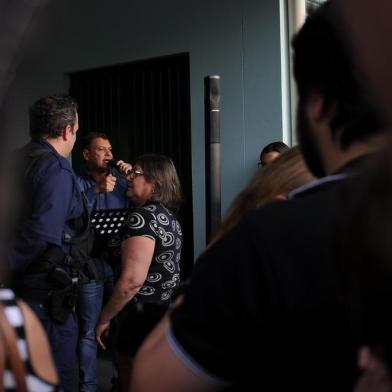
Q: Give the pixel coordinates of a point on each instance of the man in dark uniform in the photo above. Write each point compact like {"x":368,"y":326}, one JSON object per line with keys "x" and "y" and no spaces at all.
{"x":53,"y":215}
{"x":265,"y":308}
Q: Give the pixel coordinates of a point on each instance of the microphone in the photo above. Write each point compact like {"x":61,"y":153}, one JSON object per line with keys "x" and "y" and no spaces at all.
{"x":113,"y":163}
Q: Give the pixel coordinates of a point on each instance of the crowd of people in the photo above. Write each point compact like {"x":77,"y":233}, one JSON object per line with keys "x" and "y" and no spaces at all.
{"x":54,"y":255}
{"x":291,"y":293}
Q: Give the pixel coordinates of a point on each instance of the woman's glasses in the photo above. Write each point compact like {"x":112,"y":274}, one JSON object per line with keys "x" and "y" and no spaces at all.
{"x":135,"y":173}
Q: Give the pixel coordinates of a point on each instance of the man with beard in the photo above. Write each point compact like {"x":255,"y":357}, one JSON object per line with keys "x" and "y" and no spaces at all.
{"x":265,"y":308}
{"x":105,"y":188}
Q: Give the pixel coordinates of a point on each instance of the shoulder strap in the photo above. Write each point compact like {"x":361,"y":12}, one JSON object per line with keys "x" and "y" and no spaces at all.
{"x":9,"y":344}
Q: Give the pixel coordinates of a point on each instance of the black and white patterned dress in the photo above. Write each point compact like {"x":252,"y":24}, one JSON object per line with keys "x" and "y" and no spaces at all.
{"x":158,"y":223}
{"x":15,"y":318}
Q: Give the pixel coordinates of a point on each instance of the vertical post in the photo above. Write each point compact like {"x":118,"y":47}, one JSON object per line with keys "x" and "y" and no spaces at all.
{"x":213,"y":154}
{"x":296,"y":18}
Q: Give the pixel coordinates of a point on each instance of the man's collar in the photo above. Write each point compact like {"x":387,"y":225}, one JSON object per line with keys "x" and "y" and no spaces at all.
{"x":45,"y":143}
{"x":347,"y":170}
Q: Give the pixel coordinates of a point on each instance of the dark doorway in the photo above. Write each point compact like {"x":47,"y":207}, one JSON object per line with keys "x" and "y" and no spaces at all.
{"x":144,"y":107}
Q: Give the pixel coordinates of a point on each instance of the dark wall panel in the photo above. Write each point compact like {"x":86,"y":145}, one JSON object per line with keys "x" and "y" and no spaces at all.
{"x":143,"y":107}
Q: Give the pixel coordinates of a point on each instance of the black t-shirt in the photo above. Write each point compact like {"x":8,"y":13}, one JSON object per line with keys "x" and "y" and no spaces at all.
{"x":156,"y":222}
{"x":264,"y":306}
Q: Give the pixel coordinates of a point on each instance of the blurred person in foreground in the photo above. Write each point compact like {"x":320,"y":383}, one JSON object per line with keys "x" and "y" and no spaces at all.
{"x":369,"y":286}
{"x":27,"y":362}
{"x":34,"y":369}
{"x":364,"y":254}
{"x":269,"y":289}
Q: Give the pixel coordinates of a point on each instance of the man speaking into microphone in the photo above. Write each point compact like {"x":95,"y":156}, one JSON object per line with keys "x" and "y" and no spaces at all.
{"x":102,"y":180}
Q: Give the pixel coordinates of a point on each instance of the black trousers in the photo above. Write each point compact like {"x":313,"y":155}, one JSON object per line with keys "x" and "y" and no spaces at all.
{"x":136,"y":321}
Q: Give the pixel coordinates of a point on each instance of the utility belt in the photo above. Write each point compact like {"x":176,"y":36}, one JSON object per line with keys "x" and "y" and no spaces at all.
{"x":65,"y":268}
{"x":59,"y":302}
{"x":65,"y":275}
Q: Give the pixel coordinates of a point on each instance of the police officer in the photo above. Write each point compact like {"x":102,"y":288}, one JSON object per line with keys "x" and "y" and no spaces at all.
{"x":45,"y":273}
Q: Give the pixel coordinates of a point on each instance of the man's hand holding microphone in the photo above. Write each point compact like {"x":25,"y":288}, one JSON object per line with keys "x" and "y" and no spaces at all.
{"x":108,"y":183}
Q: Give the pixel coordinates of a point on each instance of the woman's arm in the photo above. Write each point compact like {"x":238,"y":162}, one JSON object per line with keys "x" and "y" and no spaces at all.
{"x":136,"y":257}
{"x":158,"y":367}
{"x":38,"y":346}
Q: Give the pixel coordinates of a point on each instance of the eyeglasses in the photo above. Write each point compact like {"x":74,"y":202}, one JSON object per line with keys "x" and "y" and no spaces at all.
{"x":135,"y":173}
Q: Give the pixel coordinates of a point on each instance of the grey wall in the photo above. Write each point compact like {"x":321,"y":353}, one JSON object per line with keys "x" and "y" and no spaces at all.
{"x":238,"y":40}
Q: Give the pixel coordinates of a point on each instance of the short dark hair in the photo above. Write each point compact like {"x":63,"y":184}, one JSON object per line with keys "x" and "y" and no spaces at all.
{"x":323,"y":63}
{"x":278,"y":146}
{"x":50,"y":115}
{"x":160,"y":170}
{"x":87,"y":139}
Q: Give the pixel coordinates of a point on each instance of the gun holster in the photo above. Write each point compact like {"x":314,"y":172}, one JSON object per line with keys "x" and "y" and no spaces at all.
{"x":61,"y":302}
{"x":62,"y":299}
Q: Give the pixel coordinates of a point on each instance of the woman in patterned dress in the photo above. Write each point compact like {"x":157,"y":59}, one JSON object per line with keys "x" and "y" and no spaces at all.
{"x":150,"y":242}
